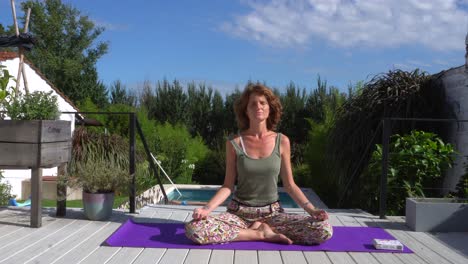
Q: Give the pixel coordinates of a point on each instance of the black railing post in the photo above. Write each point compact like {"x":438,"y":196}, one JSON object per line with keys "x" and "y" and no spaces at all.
{"x":151,"y":161}
{"x":386,"y":131}
{"x":132,"y":126}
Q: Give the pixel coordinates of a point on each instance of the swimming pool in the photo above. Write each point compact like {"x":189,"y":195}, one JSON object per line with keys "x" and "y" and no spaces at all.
{"x":203,"y":195}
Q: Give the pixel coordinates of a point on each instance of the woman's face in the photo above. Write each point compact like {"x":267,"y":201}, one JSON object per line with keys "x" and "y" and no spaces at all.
{"x":258,"y":108}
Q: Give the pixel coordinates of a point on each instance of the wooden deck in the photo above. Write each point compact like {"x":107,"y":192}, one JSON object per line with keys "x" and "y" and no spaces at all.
{"x":75,"y":240}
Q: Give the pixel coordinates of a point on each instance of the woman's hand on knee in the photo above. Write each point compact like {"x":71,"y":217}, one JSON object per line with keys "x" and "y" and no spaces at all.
{"x":319,"y":214}
{"x":200,"y":213}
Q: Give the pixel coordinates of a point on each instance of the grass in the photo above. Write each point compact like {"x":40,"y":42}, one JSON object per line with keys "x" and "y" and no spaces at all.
{"x":118,"y":200}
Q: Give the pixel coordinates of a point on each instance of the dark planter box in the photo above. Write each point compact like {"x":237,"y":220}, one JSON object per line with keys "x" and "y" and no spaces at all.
{"x":35,"y":143}
{"x":437,"y":214}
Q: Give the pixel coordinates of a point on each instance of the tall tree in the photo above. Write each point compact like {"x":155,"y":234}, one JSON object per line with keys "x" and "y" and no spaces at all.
{"x":199,"y":109}
{"x":120,"y":95}
{"x":66,"y":50}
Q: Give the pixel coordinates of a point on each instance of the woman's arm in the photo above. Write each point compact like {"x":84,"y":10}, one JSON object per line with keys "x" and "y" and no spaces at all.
{"x":226,"y":189}
{"x":290,"y":186}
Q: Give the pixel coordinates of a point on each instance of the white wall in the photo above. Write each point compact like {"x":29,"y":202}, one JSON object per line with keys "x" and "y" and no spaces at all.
{"x":35,"y":83}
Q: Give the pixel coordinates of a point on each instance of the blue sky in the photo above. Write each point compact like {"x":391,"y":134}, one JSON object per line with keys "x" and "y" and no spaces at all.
{"x":226,"y":43}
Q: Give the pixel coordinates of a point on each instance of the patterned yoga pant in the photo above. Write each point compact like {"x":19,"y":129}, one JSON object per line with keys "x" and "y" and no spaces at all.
{"x":225,"y":227}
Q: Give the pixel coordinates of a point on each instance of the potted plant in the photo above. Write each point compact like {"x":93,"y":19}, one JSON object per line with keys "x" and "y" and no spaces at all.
{"x":449,"y":214}
{"x":32,"y":137}
{"x":100,"y":166}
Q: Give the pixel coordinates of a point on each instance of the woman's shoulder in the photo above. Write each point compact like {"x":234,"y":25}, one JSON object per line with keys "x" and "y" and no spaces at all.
{"x":234,"y":137}
{"x":284,"y":139}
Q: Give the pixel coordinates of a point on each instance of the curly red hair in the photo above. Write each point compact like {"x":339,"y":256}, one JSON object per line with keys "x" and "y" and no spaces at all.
{"x":240,"y":106}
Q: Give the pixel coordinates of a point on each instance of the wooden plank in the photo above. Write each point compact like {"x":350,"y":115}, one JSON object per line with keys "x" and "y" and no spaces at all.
{"x":36,"y":196}
{"x":70,"y":242}
{"x":316,"y":257}
{"x":348,"y":220}
{"x":340,"y":257}
{"x":222,"y":256}
{"x":8,"y":233}
{"x":100,"y":255}
{"x":198,"y":256}
{"x":24,"y":155}
{"x":21,"y":216}
{"x":37,"y":247}
{"x":269,"y":257}
{"x":174,"y":256}
{"x":293,"y":257}
{"x":388,"y":258}
{"x":150,"y":255}
{"x":27,"y":131}
{"x":55,"y":153}
{"x":55,"y":130}
{"x":19,"y":131}
{"x":456,"y":241}
{"x":333,"y":220}
{"x":441,"y":249}
{"x":363,"y":257}
{"x":125,"y":255}
{"x":87,"y":246}
{"x":245,"y":257}
{"x":426,"y":253}
{"x":145,"y":212}
{"x":410,"y":258}
{"x":178,"y":217}
{"x":29,"y":235}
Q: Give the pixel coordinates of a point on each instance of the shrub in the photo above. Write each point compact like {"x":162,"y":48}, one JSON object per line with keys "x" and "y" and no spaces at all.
{"x":5,"y":191}
{"x":416,"y":162}
{"x":37,"y":105}
{"x":178,"y":152}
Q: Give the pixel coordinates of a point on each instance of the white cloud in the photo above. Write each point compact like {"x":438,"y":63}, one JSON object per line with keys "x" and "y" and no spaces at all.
{"x":418,"y":63}
{"x":112,"y":26}
{"x":436,"y":24}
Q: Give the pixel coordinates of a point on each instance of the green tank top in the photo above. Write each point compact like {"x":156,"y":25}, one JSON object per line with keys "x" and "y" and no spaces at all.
{"x":257,"y":179}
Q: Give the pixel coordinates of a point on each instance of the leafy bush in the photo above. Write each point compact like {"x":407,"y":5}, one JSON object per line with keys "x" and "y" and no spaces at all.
{"x":211,"y":170}
{"x":178,"y":152}
{"x":416,"y":162}
{"x":5,"y":91}
{"x":394,"y":94}
{"x":118,"y":124}
{"x":5,"y":191}
{"x":37,"y":105}
{"x":5,"y":78}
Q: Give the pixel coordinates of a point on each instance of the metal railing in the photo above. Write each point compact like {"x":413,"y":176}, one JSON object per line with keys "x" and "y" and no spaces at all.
{"x":134,"y":128}
{"x":386,"y":134}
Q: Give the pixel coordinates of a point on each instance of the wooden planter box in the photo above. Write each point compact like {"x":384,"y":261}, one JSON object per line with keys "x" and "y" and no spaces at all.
{"x":437,"y":214}
{"x":35,"y":143}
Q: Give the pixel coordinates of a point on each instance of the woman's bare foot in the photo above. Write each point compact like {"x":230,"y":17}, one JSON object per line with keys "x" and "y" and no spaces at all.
{"x":255,"y":225}
{"x":271,"y":236}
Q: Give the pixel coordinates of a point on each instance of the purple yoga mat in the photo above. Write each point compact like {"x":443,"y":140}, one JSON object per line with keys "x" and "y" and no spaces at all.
{"x":165,"y":235}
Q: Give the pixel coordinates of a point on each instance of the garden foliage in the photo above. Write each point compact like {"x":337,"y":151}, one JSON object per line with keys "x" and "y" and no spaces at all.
{"x":416,"y":165}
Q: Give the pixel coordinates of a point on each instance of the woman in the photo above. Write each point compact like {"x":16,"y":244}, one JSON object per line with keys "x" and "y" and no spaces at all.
{"x":255,"y":158}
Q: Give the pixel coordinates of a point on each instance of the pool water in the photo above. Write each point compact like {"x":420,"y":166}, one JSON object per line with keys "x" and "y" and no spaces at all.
{"x":205,"y":195}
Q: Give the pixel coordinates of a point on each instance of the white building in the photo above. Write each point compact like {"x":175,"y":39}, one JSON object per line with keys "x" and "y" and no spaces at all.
{"x":36,"y":82}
